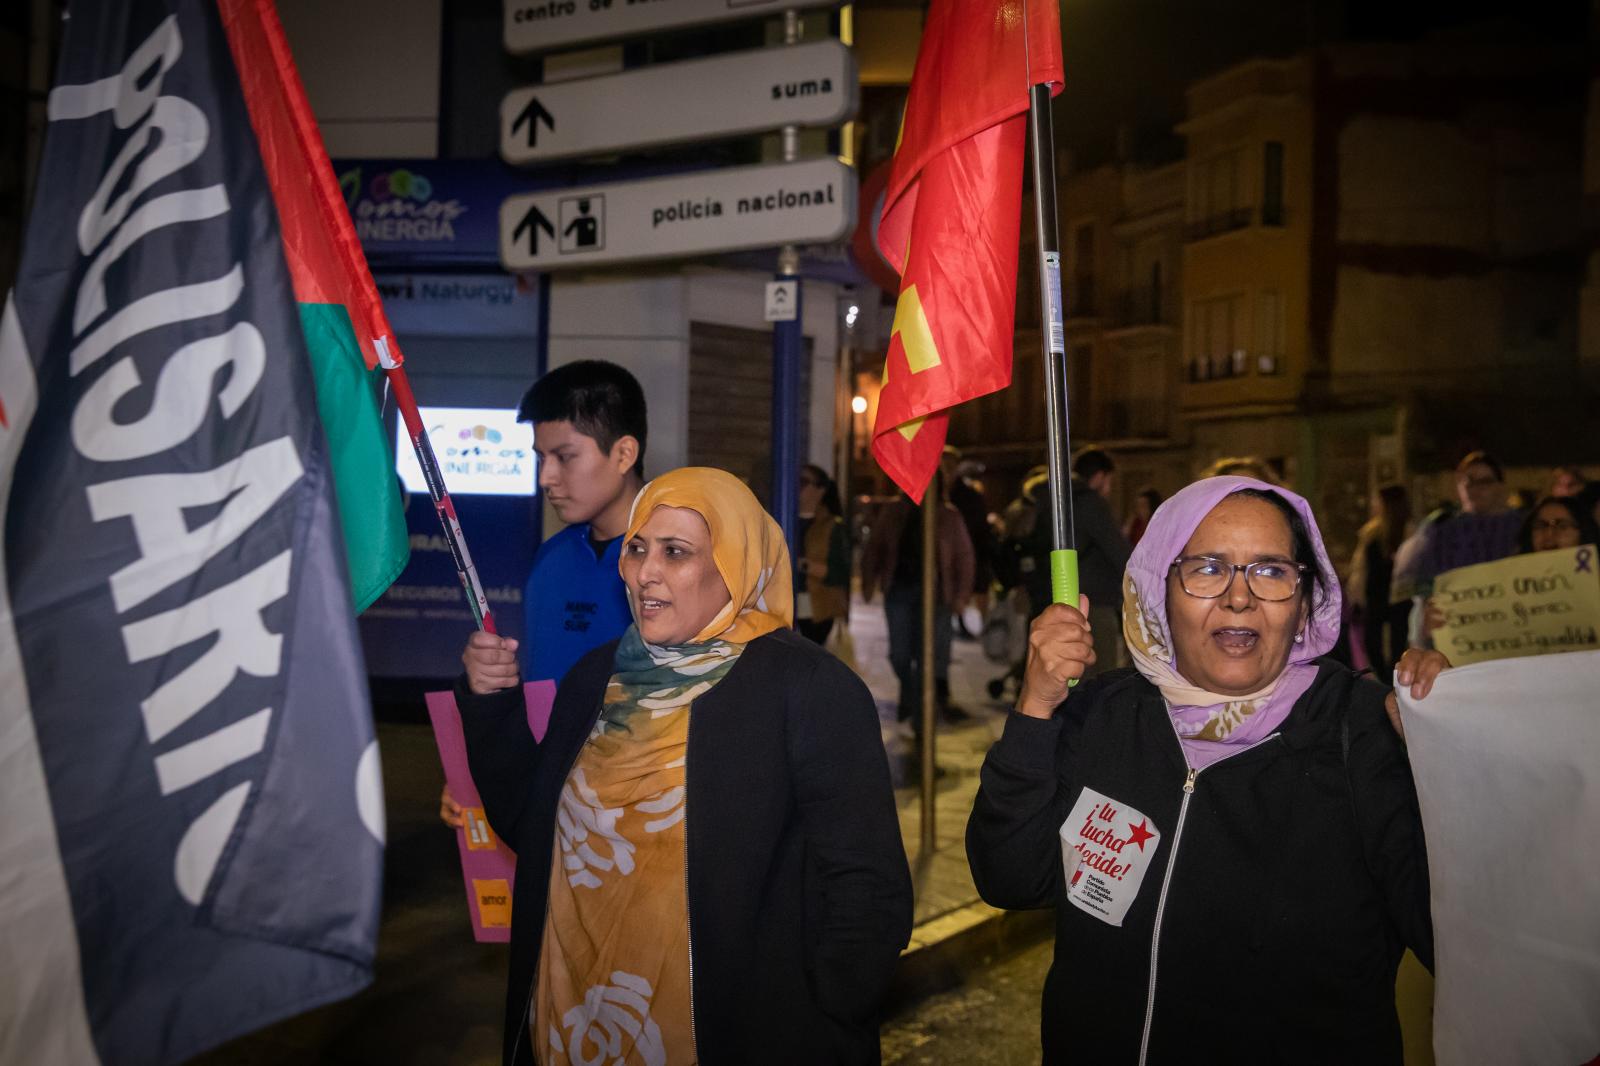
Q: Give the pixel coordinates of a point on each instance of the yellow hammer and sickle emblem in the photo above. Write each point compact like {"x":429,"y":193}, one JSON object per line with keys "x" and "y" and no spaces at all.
{"x":911,"y":323}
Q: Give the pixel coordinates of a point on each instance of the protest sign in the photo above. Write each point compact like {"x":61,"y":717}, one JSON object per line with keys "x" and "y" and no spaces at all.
{"x":1526,"y":605}
{"x":1503,"y":755}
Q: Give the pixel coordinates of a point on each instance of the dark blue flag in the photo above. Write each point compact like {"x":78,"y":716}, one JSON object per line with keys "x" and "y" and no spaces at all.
{"x":191,"y":844}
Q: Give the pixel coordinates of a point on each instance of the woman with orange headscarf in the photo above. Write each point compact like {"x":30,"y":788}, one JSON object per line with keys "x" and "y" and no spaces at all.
{"x":709,"y":864}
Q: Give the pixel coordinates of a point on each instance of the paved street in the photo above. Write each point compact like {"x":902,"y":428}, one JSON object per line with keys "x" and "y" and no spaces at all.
{"x":992,"y":1019}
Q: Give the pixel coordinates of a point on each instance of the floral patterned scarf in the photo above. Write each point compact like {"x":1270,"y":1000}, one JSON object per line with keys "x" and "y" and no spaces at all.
{"x":613,"y":982}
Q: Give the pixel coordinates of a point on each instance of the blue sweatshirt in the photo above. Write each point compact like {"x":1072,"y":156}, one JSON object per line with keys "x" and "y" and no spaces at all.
{"x":573,"y":602}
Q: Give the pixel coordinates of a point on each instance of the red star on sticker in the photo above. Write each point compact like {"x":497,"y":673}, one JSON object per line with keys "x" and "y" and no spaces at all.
{"x":1138,"y":834}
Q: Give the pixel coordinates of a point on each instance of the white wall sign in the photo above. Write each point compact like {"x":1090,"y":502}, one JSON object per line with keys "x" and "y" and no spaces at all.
{"x":482,"y":451}
{"x":783,"y":301}
{"x":810,"y":84}
{"x":541,"y":25}
{"x":689,"y":214}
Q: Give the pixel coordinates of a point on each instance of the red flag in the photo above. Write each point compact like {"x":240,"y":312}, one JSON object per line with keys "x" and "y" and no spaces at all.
{"x":340,"y":313}
{"x":951,"y":217}
{"x":324,"y":255}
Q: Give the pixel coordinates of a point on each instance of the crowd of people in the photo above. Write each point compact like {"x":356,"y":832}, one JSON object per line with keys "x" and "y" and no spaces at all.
{"x":1210,"y":796}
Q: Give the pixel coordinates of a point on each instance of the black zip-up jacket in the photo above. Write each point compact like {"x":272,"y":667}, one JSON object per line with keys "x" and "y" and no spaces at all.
{"x":799,"y":892}
{"x":1286,"y":882}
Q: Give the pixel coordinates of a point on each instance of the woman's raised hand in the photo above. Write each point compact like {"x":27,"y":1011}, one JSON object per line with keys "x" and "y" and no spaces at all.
{"x":1419,"y":668}
{"x":491,"y":663}
{"x":1060,"y":650}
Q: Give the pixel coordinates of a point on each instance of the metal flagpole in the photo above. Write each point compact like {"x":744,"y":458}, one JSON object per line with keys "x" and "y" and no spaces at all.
{"x":932,"y":500}
{"x":1063,"y":542}
{"x":406,"y":401}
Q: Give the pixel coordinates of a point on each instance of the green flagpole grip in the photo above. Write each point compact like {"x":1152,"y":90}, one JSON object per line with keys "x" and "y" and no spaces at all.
{"x":1064,"y":577}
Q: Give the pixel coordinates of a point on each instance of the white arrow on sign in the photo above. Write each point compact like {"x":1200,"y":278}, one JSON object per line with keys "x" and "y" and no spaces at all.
{"x":810,"y":84}
{"x":690,"y":214}
{"x":541,"y":25}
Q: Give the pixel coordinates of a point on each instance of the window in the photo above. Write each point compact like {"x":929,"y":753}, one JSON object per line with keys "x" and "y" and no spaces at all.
{"x":1222,"y":184}
{"x":1269,"y":333}
{"x":1144,"y":387}
{"x":1080,"y":361}
{"x":1218,"y":188}
{"x":1216,"y":347}
{"x":1083,"y":270}
{"x":1272,"y":184}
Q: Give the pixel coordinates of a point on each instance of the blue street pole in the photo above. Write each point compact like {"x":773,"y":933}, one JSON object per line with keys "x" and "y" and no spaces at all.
{"x":787,"y":350}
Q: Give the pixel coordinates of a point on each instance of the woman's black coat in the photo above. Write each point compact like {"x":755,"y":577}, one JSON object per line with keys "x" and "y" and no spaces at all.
{"x":1270,"y":920}
{"x":799,"y":892}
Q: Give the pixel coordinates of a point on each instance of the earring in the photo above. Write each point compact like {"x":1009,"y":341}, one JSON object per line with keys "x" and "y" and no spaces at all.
{"x":1299,"y":638}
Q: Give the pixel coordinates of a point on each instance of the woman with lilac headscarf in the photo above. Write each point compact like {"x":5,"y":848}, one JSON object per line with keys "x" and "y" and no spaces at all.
{"x":1227,"y":831}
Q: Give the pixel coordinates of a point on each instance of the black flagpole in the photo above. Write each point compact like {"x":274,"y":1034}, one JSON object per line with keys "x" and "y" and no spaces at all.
{"x":1063,"y":544}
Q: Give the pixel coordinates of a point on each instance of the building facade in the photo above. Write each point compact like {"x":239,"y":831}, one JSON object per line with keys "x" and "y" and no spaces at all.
{"x":1381,"y":270}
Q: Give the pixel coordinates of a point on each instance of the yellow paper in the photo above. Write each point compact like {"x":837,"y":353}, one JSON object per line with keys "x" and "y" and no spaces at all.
{"x":1525,"y":605}
{"x":494,"y":903}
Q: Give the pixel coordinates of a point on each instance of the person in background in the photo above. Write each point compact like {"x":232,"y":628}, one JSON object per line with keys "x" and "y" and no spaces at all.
{"x":1242,"y":466}
{"x":1567,"y":481}
{"x":966,"y":496}
{"x":1022,"y":562}
{"x":892,"y":561}
{"x":1025,"y":549}
{"x":1102,"y":553}
{"x":590,"y":426}
{"x":1382,"y":624}
{"x":1486,"y":529}
{"x":709,"y":863}
{"x":1144,"y":505}
{"x":1557,"y":522}
{"x":1588,"y":500}
{"x":822,"y":572}
{"x":1404,"y":584}
{"x":1234,"y":817}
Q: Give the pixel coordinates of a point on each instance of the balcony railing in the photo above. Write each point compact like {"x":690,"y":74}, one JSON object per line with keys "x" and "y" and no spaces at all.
{"x":1211,"y":225}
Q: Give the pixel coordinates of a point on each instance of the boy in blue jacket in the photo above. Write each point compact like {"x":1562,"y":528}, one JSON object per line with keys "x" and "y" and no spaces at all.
{"x":589,"y":428}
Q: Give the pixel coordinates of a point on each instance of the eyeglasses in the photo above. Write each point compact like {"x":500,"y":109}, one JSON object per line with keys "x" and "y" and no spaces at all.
{"x":1555,"y":525}
{"x":1207,"y":578}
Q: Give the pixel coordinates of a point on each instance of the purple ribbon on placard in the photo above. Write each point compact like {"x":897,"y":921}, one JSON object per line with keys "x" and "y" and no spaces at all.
{"x":1583,"y":556}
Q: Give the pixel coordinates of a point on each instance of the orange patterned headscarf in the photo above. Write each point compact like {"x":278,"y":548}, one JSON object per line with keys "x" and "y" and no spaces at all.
{"x":746,"y":545}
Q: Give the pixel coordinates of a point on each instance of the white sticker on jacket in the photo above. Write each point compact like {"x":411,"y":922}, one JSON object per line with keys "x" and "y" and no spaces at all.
{"x":1106,"y":847}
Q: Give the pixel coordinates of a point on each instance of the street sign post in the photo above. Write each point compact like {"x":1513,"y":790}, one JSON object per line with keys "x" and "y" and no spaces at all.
{"x":699,"y":213}
{"x":543,"y":25}
{"x":783,"y":301}
{"x":811,"y":84}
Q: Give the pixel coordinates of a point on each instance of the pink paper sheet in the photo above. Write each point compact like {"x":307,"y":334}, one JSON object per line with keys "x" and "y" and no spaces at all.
{"x":488,"y":866}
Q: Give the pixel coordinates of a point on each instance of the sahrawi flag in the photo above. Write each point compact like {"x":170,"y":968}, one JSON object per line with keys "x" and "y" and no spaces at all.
{"x":950,"y":220}
{"x":192,"y":838}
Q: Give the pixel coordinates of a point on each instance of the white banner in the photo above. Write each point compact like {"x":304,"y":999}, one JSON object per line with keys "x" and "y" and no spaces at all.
{"x":1506,"y":757}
